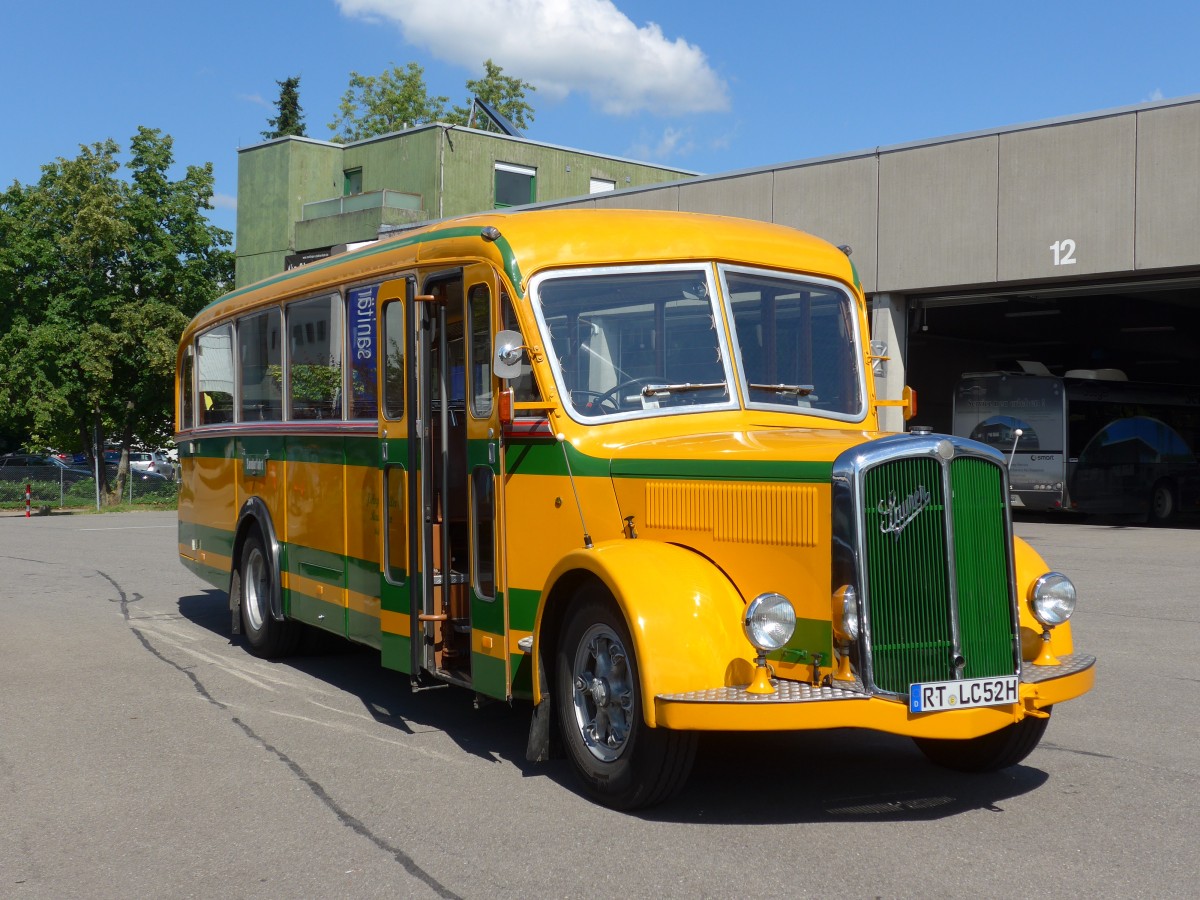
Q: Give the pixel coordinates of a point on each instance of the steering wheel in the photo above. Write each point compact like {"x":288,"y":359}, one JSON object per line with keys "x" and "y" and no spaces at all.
{"x":597,"y":401}
{"x":614,"y":396}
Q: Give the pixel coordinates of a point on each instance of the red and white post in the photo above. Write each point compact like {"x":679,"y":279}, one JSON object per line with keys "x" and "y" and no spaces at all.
{"x":28,"y":494}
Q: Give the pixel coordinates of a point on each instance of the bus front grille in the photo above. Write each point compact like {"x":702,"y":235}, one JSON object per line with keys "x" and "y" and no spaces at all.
{"x":934,"y":568}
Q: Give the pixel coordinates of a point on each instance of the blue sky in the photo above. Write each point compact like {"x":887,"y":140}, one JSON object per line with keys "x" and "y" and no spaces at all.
{"x":704,"y":85}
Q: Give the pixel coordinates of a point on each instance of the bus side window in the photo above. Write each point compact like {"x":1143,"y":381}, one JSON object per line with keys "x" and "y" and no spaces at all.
{"x":524,"y":385}
{"x":393,"y":360}
{"x":187,"y":399}
{"x":363,"y":350}
{"x":315,"y":358}
{"x":215,"y":364}
{"x":479,"y":308}
{"x":259,"y":367}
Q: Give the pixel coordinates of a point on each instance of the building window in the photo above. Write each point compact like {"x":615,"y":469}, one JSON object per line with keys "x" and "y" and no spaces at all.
{"x":351,"y":182}
{"x":600,"y":185}
{"x":515,"y":185}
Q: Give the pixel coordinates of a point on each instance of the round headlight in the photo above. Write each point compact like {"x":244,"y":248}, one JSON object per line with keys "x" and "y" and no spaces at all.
{"x":769,"y":622}
{"x":1052,"y":598}
{"x":845,"y":613}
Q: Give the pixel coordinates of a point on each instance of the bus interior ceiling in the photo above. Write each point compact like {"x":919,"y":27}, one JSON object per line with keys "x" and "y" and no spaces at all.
{"x":1150,"y":331}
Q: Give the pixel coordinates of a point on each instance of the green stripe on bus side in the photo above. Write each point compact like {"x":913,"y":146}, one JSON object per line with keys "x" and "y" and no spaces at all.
{"x":488,"y":676}
{"x":394,"y":652}
{"x":522,"y":608}
{"x":532,"y":458}
{"x":522,"y":671}
{"x":488,"y":616}
{"x":218,"y":578}
{"x":362,"y":628}
{"x":724,"y":470}
{"x":335,"y":449}
{"x":314,"y":611}
{"x":547,"y":459}
{"x":215,"y":540}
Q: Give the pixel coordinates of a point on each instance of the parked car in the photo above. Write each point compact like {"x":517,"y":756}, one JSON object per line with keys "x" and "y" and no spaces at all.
{"x":151,"y":461}
{"x":36,"y":467}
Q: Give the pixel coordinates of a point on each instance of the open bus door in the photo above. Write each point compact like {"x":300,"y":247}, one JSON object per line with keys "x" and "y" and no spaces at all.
{"x":439,"y":450}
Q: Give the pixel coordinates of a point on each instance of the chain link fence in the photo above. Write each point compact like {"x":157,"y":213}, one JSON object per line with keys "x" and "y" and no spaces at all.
{"x":61,"y":488}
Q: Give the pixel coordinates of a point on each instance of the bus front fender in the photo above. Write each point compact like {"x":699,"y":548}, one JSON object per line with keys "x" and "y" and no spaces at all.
{"x":683,"y":614}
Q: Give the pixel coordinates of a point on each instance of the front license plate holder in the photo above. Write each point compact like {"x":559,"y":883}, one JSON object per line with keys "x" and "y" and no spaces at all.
{"x":938,"y":696}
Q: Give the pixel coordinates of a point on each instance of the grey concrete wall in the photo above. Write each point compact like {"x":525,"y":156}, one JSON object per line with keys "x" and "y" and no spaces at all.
{"x":747,"y":196}
{"x":1071,"y":182}
{"x":837,"y":201}
{"x":937,"y":214}
{"x":1103,"y":194}
{"x":1168,"y":187}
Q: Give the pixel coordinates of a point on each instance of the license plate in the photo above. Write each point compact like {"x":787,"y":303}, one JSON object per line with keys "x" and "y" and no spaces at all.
{"x":934,"y":696}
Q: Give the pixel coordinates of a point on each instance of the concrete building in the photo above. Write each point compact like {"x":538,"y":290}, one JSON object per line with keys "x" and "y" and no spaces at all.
{"x":1074,"y":243}
{"x":299,"y":197}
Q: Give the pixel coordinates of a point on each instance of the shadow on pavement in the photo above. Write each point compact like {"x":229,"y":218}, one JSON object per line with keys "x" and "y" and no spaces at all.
{"x":739,"y":778}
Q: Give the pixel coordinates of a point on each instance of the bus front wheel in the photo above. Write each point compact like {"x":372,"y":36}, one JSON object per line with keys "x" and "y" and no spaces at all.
{"x":622,"y":762}
{"x":988,"y":753}
{"x":253,"y":583}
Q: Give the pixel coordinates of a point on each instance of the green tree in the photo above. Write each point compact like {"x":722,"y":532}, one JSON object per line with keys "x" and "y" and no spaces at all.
{"x":503,"y":93}
{"x":380,"y":104}
{"x":289,"y":118}
{"x":100,"y":276}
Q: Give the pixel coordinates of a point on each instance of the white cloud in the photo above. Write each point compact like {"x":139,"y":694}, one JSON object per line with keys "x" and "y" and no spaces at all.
{"x":562,"y":46}
{"x":673,"y":143}
{"x":223,"y":201}
{"x":256,"y":99}
{"x":1155,"y":96}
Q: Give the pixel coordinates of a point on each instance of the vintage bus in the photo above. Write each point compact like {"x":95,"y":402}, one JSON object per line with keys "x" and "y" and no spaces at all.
{"x":626,"y":467}
{"x":1090,"y":441}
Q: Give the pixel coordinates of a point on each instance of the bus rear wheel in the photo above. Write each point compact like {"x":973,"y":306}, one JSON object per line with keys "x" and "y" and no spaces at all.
{"x":990,"y":752}
{"x":1162,"y":503}
{"x":252,"y":586}
{"x":621,"y":762}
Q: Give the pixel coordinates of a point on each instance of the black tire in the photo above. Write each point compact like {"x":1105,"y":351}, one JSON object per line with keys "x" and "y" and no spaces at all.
{"x":1162,"y":503}
{"x":252,"y":585}
{"x":622,"y":763}
{"x":988,"y":753}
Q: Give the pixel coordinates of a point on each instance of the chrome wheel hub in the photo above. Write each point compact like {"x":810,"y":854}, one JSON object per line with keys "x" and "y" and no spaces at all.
{"x":602,"y":694}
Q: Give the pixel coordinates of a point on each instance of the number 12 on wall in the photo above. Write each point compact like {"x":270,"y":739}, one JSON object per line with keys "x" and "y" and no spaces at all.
{"x":1064,"y":252}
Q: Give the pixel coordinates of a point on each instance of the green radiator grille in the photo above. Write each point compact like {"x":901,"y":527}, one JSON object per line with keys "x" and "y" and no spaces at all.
{"x":981,"y":568}
{"x":913,"y":596}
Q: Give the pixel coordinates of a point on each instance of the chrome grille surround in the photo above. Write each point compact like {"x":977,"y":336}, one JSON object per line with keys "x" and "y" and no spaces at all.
{"x":940,"y":644}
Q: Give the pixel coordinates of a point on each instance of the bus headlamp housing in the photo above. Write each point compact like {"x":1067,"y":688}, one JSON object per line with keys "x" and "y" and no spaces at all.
{"x":1052,"y":599}
{"x":769,"y":622}
{"x":845,"y":613}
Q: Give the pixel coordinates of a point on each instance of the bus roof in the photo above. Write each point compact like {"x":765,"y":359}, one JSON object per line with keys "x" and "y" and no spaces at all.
{"x":531,"y":240}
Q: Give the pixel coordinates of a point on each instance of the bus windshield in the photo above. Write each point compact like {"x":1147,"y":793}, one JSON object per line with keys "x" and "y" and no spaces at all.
{"x":632,"y":340}
{"x":645,"y":341}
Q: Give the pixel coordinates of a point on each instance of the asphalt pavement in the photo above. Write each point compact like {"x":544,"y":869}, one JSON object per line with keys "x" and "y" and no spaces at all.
{"x":145,"y":753}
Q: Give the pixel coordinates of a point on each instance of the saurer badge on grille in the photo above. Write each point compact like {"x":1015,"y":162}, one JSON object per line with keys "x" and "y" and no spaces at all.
{"x":896,"y":516}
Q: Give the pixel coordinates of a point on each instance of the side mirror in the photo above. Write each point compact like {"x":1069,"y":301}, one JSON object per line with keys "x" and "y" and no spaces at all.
{"x":510,"y":353}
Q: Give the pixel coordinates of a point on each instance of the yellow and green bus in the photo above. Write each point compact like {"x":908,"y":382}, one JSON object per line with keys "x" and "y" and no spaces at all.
{"x":625,"y":466}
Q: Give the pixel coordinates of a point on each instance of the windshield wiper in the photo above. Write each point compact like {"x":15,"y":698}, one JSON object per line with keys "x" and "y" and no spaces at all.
{"x":799,"y":390}
{"x":655,"y":390}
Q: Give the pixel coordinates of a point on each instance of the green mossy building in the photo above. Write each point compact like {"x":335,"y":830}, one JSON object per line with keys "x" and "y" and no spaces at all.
{"x":300,"y":198}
